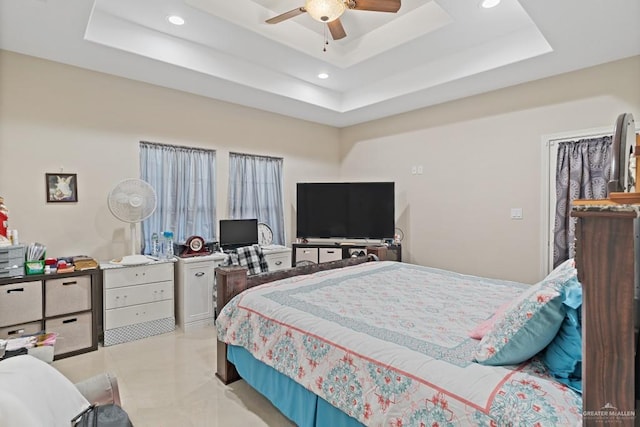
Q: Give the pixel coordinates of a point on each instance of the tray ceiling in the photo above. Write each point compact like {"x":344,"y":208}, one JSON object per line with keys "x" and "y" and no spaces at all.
{"x":428,"y":53}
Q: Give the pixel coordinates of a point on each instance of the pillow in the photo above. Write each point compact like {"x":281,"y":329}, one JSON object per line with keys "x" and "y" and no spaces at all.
{"x":529,"y":323}
{"x":562,"y":273}
{"x":485,"y":326}
{"x":563,"y":356}
{"x":252,"y":258}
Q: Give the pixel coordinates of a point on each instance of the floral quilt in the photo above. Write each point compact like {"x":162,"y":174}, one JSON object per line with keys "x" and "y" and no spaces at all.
{"x":387,"y":343}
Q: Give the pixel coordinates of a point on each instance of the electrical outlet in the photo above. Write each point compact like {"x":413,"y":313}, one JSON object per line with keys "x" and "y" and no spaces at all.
{"x":420,"y":170}
{"x":414,"y":170}
{"x":516,"y":213}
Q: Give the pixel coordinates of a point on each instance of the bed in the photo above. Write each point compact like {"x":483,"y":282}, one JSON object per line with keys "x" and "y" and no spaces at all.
{"x":387,"y":344}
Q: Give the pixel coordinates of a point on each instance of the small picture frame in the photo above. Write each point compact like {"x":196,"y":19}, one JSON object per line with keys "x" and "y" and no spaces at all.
{"x":62,"y":187}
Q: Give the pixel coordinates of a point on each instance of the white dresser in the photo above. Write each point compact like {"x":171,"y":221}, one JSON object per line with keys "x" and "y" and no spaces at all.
{"x":138,"y":301}
{"x":196,"y":290}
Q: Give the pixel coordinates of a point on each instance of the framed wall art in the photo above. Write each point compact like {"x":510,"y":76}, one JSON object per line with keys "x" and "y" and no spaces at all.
{"x":62,"y":187}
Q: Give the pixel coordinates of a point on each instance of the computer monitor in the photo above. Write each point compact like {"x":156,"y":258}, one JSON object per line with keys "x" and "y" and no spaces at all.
{"x":235,"y":233}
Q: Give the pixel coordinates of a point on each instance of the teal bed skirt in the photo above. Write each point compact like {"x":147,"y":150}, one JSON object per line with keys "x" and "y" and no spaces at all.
{"x":301,"y":406}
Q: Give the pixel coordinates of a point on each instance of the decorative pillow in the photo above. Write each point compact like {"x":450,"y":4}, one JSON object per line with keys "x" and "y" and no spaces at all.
{"x":563,"y":357}
{"x":485,"y":326}
{"x":562,"y":273}
{"x":529,"y":323}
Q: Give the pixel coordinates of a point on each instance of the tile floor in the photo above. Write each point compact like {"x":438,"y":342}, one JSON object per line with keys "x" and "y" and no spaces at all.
{"x":168,"y":380}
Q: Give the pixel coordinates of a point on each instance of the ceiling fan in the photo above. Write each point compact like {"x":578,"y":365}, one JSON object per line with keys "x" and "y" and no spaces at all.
{"x":329,"y":12}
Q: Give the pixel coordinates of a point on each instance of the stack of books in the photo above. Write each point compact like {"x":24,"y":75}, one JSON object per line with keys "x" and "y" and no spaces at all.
{"x":83,"y":262}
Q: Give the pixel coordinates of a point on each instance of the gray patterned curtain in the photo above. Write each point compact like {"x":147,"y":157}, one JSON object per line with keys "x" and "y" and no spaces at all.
{"x":582,"y":172}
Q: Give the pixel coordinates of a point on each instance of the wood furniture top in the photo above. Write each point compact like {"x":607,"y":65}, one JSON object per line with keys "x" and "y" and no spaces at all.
{"x":35,"y":277}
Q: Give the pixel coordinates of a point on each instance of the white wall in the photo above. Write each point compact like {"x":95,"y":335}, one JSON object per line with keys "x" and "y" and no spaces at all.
{"x":482,"y":156}
{"x":57,"y":118}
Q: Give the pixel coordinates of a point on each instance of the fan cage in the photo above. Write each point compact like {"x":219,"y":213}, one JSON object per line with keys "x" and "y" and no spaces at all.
{"x":132,"y":200}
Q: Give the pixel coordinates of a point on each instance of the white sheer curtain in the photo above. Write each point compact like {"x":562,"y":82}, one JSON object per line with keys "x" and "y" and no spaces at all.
{"x":255,"y":191}
{"x":184,"y":180}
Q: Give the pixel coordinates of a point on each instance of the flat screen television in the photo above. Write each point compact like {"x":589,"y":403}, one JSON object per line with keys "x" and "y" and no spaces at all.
{"x":350,"y":210}
{"x":235,"y":233}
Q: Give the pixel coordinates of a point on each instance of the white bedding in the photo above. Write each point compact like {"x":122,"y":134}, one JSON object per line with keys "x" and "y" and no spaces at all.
{"x":388,"y":344}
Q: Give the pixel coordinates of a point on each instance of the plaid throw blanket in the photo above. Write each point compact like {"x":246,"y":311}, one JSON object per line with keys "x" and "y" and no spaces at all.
{"x":250,"y":257}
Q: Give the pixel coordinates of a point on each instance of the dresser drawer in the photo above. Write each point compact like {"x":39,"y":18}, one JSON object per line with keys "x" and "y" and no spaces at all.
{"x":125,"y":276}
{"x":307,"y":254}
{"x":139,"y":294}
{"x":330,"y":254}
{"x":16,"y":331}
{"x":74,"y":332}
{"x":20,"y":303}
{"x":278,"y":261}
{"x":67,"y":295}
{"x":118,"y":317}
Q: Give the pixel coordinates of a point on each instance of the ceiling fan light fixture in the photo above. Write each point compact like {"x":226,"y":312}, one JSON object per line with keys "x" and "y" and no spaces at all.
{"x":325,"y":10}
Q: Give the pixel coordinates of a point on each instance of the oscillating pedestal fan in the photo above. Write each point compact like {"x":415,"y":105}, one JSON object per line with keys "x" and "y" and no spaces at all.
{"x":132,"y":201}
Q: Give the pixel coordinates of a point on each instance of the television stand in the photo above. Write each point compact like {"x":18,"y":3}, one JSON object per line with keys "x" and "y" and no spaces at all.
{"x":327,"y":252}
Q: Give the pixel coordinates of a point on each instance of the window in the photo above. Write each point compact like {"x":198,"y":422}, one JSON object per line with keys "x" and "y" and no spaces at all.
{"x":184,"y":180}
{"x":255,"y":191}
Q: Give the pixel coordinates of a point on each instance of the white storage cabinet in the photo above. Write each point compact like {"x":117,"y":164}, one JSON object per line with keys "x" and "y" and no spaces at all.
{"x":196,"y":290}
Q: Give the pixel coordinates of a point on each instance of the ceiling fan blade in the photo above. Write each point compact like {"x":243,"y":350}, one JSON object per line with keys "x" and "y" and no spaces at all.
{"x":286,"y":15}
{"x":375,"y":5}
{"x":336,"y":29}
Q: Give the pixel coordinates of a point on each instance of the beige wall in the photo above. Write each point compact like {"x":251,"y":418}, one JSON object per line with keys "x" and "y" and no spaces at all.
{"x":56,"y":118}
{"x":482,"y":156}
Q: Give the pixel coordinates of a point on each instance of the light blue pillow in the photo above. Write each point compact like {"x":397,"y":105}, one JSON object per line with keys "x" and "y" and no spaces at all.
{"x":563,"y":356}
{"x":530,"y":322}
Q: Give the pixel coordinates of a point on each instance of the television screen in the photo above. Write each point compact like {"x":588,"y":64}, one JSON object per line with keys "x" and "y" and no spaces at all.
{"x":235,"y":233}
{"x":352,"y":210}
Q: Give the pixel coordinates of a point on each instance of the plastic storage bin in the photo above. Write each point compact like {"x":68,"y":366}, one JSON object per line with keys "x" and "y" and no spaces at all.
{"x":34,"y":267}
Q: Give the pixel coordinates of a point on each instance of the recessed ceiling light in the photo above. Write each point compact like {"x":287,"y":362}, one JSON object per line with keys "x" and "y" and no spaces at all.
{"x":323,"y":76}
{"x":488,"y":4}
{"x":175,"y":20}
